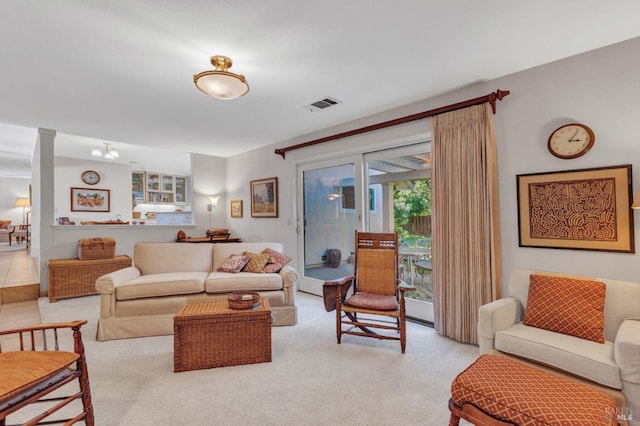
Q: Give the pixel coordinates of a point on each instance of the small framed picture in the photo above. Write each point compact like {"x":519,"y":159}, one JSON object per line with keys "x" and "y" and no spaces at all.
{"x":264,"y":197}
{"x":90,"y":200}
{"x":236,"y":208}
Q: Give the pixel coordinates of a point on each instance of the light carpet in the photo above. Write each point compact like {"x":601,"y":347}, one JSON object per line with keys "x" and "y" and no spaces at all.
{"x":311,"y":381}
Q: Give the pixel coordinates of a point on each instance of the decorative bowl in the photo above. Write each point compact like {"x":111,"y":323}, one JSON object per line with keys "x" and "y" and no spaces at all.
{"x":243,"y":300}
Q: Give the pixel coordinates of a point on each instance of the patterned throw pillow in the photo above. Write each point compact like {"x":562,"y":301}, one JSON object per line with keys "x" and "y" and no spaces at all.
{"x":256,"y":262}
{"x":567,"y":306}
{"x":277,"y":261}
{"x":4,"y":224}
{"x":234,"y":264}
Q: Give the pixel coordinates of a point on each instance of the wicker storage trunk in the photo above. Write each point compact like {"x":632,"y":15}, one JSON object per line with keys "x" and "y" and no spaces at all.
{"x":74,"y":277}
{"x":96,"y":248}
{"x":209,"y":334}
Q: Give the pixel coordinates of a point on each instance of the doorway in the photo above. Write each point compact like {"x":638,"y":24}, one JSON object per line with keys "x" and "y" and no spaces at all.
{"x":328,"y":218}
{"x":332,"y":204}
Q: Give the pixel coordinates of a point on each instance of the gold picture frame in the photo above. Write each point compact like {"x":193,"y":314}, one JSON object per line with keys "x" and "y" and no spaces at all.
{"x":264,"y":197}
{"x":586,"y":209}
{"x":236,"y":208}
{"x":90,"y":200}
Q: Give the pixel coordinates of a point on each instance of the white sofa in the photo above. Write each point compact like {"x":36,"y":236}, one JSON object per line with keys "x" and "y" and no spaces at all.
{"x":142,"y":300}
{"x":614,"y":365}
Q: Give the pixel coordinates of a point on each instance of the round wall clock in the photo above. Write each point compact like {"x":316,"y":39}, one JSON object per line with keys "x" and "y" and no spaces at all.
{"x":90,"y":177}
{"x":571,"y":141}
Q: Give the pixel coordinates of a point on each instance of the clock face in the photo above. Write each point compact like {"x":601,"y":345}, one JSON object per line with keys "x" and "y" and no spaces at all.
{"x":571,"y":141}
{"x":90,"y":177}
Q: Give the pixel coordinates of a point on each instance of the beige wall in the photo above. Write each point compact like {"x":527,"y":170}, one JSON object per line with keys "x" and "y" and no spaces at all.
{"x":598,"y":88}
{"x":12,"y":188}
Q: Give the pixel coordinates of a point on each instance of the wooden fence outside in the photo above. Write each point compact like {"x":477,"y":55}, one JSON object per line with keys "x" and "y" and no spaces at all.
{"x":419,"y":225}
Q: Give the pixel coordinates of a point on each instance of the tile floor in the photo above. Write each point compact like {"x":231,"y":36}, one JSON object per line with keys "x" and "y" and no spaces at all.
{"x":19,"y":290}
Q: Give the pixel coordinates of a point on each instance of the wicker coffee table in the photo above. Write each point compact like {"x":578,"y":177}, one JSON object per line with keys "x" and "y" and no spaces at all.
{"x":209,"y":334}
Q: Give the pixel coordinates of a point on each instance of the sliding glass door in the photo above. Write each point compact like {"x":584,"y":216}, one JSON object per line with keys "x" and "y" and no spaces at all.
{"x":327,"y":219}
{"x":399,"y":183}
{"x":382,"y":191}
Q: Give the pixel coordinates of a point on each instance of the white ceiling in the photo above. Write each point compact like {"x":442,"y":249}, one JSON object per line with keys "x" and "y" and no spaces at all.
{"x":122,"y":70}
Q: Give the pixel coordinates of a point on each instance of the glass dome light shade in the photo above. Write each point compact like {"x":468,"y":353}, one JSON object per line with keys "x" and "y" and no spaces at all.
{"x":220,"y":83}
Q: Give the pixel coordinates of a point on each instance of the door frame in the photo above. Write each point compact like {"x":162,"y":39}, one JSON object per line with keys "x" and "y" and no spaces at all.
{"x":308,"y":284}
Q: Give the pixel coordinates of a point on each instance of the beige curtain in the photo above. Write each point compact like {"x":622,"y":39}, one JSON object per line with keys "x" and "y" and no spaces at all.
{"x":466,"y":231}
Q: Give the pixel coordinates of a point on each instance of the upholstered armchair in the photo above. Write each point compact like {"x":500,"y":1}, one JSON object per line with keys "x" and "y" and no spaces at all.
{"x":6,"y":229}
{"x":593,"y":337}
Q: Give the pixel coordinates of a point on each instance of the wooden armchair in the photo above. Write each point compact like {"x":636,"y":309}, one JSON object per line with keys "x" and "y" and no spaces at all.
{"x":21,"y":233}
{"x":376,"y":307}
{"x":32,"y":366}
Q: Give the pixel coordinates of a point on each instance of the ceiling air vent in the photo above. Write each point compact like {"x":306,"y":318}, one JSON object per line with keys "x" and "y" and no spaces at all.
{"x":323,"y":104}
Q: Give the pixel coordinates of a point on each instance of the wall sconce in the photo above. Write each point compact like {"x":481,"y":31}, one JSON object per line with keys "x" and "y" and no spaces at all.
{"x":636,"y":201}
{"x":213,"y":201}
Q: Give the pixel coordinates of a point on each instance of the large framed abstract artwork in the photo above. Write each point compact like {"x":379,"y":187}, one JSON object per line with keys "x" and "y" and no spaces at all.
{"x":587,"y":209}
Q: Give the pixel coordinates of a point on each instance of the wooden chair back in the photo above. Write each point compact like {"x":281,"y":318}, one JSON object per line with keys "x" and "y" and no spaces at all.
{"x":376,"y":263}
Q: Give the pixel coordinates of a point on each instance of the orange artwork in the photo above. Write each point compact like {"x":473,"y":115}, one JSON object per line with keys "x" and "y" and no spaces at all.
{"x":586,"y":209}
{"x":576,"y":210}
{"x":90,"y":200}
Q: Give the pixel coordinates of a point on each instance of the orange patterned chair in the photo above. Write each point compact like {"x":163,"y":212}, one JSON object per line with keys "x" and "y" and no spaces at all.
{"x":585,"y":328}
{"x":496,"y":390}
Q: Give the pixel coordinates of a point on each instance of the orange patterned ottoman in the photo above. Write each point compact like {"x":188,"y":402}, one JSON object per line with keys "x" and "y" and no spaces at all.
{"x":495,"y":390}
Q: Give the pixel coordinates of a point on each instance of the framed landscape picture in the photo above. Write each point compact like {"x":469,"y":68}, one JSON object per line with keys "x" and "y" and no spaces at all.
{"x":264,"y":197}
{"x":588,"y":209}
{"x":236,"y":208}
{"x":90,"y":200}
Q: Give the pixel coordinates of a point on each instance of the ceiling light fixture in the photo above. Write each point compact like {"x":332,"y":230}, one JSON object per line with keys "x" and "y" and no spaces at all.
{"x":221,"y":83}
{"x":106,"y":152}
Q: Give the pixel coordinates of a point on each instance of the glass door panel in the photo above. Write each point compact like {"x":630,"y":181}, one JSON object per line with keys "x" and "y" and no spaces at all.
{"x":137,"y":186}
{"x":181,"y":189}
{"x":167,"y":183}
{"x":400,"y":193}
{"x":328,"y":223}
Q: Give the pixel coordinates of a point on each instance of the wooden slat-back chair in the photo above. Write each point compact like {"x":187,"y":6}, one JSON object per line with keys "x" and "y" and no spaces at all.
{"x":376,"y":308}
{"x":32,"y":365}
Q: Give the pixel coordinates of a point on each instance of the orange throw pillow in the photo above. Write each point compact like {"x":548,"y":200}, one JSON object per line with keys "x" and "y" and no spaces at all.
{"x":256,"y":263}
{"x":567,"y":306}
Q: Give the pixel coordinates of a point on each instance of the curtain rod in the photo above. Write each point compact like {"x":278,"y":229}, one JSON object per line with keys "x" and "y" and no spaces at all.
{"x":491,"y":98}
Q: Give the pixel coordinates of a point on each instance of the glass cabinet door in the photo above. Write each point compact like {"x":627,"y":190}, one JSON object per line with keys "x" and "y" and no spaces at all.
{"x":137,"y":186}
{"x":181,"y":189}
{"x":167,"y":183}
{"x":153,"y":182}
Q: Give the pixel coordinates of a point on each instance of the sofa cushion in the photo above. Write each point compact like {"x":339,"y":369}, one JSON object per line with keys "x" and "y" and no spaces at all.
{"x":4,"y":224}
{"x":276,"y":262}
{"x":594,"y":361}
{"x":221,"y":282}
{"x":234,"y":264}
{"x":168,"y":284}
{"x":566,"y":305}
{"x":256,"y":263}
{"x":161,"y":258}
